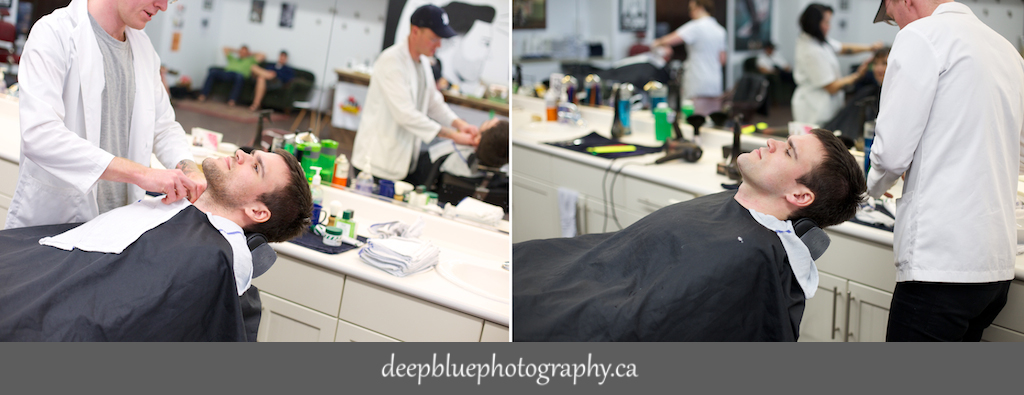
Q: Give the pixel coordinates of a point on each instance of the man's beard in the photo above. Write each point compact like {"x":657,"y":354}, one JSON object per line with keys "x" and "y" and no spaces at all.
{"x":216,"y":187}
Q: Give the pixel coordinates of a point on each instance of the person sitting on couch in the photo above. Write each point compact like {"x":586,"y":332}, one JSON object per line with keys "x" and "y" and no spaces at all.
{"x":237,"y":70}
{"x":276,"y":75}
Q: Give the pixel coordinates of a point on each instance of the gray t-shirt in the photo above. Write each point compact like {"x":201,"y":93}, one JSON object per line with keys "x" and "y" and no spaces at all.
{"x":118,"y":99}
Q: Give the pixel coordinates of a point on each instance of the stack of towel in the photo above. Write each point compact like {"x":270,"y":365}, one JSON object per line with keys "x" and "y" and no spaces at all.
{"x":400,"y":256}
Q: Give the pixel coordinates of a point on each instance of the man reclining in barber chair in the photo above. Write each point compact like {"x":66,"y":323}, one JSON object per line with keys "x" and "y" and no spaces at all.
{"x":157,"y":272}
{"x":721,"y":267}
{"x":459,"y":171}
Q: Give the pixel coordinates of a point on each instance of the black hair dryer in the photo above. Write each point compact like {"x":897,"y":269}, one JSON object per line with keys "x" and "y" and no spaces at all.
{"x":681,"y":148}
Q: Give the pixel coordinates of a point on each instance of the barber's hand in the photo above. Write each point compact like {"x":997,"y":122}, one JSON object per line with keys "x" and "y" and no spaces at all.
{"x":191,"y":170}
{"x":863,"y":68}
{"x":465,"y":127}
{"x":465,"y":139}
{"x":174,"y":183}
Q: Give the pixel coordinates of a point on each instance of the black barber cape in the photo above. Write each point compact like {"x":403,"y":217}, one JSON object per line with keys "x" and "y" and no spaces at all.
{"x":175,"y":283}
{"x":701,"y":270}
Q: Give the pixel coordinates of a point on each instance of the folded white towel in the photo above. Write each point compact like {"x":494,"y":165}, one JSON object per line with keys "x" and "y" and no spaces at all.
{"x":386,"y":230}
{"x":477,"y":211}
{"x":400,"y":256}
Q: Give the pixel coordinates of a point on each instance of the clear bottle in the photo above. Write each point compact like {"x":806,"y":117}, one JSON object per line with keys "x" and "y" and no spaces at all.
{"x":340,"y":171}
{"x":364,"y":182}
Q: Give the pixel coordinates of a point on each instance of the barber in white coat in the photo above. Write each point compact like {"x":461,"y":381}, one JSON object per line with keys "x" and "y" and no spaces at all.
{"x":404,"y":109}
{"x":952,"y":120}
{"x":93,"y":110}
{"x":819,"y":80}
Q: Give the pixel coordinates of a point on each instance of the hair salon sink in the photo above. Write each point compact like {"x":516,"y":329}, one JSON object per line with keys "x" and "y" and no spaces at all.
{"x":491,"y":282}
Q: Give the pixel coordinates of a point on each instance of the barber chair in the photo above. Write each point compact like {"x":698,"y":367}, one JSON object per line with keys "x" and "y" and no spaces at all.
{"x":492,"y":188}
{"x":263,"y":257}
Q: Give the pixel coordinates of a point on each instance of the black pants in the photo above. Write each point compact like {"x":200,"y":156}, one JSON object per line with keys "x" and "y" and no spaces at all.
{"x":926,"y":311}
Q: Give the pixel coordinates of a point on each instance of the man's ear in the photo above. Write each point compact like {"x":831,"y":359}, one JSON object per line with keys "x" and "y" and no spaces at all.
{"x":257,"y":212}
{"x":801,"y":197}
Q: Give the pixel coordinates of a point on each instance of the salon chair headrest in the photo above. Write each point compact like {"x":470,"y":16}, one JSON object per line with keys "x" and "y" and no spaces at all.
{"x":814,"y":238}
{"x":263,"y":256}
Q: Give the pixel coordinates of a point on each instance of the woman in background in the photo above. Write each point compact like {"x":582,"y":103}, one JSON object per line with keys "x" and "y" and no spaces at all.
{"x":819,"y":91}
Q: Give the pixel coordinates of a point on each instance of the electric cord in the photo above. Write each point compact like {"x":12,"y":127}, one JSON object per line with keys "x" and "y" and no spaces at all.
{"x":611,"y":192}
{"x":604,"y":196}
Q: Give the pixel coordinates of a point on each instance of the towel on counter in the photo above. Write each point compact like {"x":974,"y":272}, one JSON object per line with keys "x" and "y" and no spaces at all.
{"x":400,"y":256}
{"x":386,"y":230}
{"x":477,"y":211}
{"x":114,"y":230}
{"x":876,"y":214}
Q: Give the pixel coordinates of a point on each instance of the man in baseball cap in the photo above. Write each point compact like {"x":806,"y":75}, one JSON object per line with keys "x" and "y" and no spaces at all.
{"x":403,"y":111}
{"x":433,"y":17}
{"x":882,"y":15}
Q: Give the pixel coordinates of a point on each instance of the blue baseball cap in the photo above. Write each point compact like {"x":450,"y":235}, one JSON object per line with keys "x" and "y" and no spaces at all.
{"x":433,"y":17}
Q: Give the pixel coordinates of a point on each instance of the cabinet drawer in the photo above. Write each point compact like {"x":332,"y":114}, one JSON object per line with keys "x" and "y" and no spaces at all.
{"x":311,"y":286}
{"x":1012,"y":315}
{"x":587,"y":179}
{"x":8,"y":177}
{"x":284,"y":321}
{"x":404,"y":317}
{"x":862,"y":261}
{"x":647,"y":197}
{"x":531,"y":163}
{"x":354,"y":333}
{"x":495,"y":333}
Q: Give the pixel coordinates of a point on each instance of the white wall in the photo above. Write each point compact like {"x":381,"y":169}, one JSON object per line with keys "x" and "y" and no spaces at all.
{"x":326,"y":34}
{"x":590,"y":20}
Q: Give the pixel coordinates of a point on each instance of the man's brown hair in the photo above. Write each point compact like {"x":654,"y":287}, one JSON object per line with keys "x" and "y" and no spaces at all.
{"x":290,"y":206}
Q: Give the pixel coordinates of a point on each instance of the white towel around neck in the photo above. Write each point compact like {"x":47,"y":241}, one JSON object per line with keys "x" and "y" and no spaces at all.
{"x":799,"y":256}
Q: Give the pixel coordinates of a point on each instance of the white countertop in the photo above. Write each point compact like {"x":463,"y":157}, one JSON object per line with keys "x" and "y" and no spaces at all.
{"x":458,"y":241}
{"x":699,"y":178}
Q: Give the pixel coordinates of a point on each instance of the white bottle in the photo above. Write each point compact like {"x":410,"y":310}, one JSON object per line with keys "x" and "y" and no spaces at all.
{"x":315,"y":189}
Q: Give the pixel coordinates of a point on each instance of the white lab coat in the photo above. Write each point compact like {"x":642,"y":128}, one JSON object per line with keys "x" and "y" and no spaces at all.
{"x":61,"y":79}
{"x":952,"y":118}
{"x":392,"y":121}
{"x":816,"y":66}
{"x":705,"y":39}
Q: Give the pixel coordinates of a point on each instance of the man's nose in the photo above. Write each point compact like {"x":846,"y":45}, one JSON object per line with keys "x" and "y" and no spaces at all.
{"x":771,"y":145}
{"x":162,"y":5}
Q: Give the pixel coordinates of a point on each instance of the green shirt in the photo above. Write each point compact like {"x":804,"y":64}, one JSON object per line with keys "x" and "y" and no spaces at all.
{"x":241,"y":66}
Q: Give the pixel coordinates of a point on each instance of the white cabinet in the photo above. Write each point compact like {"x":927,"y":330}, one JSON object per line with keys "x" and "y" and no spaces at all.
{"x":495,"y":333}
{"x":284,"y":321}
{"x":8,"y":182}
{"x":534,"y":210}
{"x":348,"y":332}
{"x":404,"y":317}
{"x":305,"y":302}
{"x":825,"y":314}
{"x":844,"y":310}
